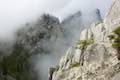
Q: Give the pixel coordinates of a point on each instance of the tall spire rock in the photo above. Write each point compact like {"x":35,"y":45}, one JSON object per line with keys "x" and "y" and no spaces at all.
{"x":98,"y":14}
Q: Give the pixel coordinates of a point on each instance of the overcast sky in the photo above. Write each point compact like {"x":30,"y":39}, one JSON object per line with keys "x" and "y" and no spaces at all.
{"x":13,"y":13}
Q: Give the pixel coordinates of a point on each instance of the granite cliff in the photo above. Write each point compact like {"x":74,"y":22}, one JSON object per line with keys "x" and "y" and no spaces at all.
{"x":96,"y":55}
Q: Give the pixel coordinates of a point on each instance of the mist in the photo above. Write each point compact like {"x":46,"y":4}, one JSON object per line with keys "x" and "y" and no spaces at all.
{"x":14,"y":13}
{"x":84,"y":6}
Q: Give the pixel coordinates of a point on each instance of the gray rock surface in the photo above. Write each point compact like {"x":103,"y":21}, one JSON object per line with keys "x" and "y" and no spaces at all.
{"x":99,"y":58}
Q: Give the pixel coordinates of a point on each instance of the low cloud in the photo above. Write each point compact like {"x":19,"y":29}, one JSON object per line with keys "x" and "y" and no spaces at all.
{"x":16,"y":12}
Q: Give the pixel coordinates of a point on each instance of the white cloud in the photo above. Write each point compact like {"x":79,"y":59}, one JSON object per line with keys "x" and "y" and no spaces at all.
{"x":15,"y":12}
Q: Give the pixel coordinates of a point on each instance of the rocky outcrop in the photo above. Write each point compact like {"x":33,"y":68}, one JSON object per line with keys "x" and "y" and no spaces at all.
{"x":40,"y":37}
{"x":93,"y":57}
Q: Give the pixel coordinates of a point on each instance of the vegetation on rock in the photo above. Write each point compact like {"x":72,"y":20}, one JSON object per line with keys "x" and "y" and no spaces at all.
{"x":116,"y":41}
{"x":84,"y":43}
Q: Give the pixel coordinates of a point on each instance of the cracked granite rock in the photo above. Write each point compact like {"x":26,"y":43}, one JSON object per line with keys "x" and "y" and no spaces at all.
{"x":99,"y":58}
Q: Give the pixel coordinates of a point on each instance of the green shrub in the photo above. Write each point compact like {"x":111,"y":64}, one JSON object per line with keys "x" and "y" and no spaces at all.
{"x":85,"y":43}
{"x":116,"y":38}
{"x":116,"y":41}
{"x":117,"y":31}
{"x":111,"y":37}
{"x":75,"y":65}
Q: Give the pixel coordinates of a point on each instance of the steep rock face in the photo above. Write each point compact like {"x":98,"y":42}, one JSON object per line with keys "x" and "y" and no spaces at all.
{"x":93,"y":57}
{"x":112,"y":20}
